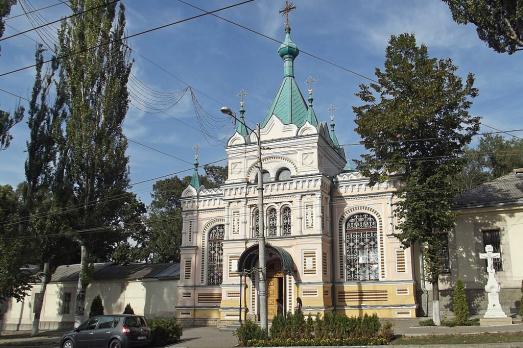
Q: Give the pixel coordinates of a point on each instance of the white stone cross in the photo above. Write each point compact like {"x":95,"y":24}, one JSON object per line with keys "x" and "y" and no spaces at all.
{"x":490,"y":255}
{"x":492,"y":288}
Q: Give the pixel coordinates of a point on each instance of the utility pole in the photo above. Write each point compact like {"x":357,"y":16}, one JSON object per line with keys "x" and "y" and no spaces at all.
{"x":262,"y":281}
{"x":262,"y":269}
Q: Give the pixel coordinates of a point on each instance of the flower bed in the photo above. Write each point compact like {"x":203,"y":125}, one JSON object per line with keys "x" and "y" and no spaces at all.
{"x":332,"y":330}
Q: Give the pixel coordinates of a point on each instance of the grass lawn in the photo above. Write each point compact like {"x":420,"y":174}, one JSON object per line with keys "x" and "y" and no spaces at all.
{"x":461,"y":339}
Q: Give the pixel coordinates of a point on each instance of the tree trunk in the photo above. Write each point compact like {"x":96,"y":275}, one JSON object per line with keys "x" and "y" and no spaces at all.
{"x":40,"y":300}
{"x":80,"y":290}
{"x":435,"y":304}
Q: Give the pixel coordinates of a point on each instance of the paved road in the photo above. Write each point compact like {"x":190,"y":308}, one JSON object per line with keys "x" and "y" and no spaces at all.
{"x":206,"y":337}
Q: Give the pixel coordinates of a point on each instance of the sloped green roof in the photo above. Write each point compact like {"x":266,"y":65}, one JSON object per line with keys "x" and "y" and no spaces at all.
{"x":240,"y":126}
{"x":288,"y":105}
{"x":311,"y":115}
{"x":195,"y":180}
{"x":334,"y":138}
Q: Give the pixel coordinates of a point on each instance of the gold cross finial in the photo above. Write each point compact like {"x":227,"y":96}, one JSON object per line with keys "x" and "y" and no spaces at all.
{"x":310,"y":80}
{"x":242,"y":95}
{"x":332,"y":112}
{"x":289,"y":6}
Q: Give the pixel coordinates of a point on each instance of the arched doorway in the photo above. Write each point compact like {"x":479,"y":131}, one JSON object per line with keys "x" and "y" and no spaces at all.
{"x":280,"y":270}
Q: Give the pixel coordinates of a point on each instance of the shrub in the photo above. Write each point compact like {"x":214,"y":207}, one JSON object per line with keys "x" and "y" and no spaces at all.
{"x":164,"y":331}
{"x":128,"y":309}
{"x":387,"y":332}
{"x":459,"y":304}
{"x":97,"y":307}
{"x":331,"y":330}
{"x":249,"y":331}
{"x":427,"y":322}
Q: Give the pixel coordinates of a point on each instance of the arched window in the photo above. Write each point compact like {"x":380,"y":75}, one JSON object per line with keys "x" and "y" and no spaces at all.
{"x":215,"y":255}
{"x":255,"y":223}
{"x":283,"y":174}
{"x":286,"y":221}
{"x":361,"y":247}
{"x":272,"y":218}
{"x":266,"y":176}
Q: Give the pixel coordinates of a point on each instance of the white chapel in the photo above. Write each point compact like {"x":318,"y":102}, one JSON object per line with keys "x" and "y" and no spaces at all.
{"x":330,"y":242}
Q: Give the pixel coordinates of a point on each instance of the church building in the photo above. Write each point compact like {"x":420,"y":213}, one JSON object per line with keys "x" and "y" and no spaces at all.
{"x":330,"y":241}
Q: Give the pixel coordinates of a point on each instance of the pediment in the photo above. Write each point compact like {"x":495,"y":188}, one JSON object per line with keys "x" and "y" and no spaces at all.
{"x":307,"y":129}
{"x":236,"y":139}
{"x":275,"y":129}
{"x":189,"y":191}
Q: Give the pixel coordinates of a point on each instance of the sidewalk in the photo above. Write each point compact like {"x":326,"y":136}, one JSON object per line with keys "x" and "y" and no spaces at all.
{"x":410,"y":327}
{"x":47,"y":339}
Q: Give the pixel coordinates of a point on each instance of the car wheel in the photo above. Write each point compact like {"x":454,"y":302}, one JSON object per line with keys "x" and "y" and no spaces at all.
{"x":68,"y":344}
{"x":115,"y":344}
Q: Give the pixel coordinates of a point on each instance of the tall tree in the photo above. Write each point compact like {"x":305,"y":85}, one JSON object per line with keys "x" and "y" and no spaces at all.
{"x":40,"y":202}
{"x":7,"y":121}
{"x":15,"y":279}
{"x":498,"y":22}
{"x":415,"y":123}
{"x":96,"y":67}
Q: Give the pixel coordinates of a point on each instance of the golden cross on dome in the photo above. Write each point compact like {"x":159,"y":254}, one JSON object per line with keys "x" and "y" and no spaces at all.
{"x":289,"y":6}
{"x":242,"y":95}
{"x":310,"y":80}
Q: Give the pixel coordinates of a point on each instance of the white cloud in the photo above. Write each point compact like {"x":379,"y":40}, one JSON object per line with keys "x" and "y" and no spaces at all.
{"x":431,"y":21}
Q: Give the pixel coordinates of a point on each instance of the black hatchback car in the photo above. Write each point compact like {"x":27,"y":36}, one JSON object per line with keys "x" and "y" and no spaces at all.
{"x":109,"y":331}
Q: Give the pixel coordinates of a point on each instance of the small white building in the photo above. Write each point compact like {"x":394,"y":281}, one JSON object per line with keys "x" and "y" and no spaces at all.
{"x":150,"y":289}
{"x":491,"y":213}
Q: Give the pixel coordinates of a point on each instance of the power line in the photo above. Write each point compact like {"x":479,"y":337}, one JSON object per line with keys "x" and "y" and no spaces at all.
{"x":109,"y":199}
{"x":498,"y":131}
{"x":312,"y":55}
{"x":34,"y":10}
{"x":59,"y":20}
{"x":130,"y":36}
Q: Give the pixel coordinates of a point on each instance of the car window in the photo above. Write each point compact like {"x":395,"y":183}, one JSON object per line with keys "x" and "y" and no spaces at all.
{"x":106,"y":322}
{"x":132,"y":322}
{"x":143,"y":321}
{"x":88,"y":325}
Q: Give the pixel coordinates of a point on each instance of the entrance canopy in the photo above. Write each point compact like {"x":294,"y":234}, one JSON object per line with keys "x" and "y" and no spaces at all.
{"x":249,"y":258}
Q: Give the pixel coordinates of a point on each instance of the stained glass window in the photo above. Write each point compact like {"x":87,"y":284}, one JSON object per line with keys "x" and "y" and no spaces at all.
{"x":286,"y":221}
{"x":215,"y":255}
{"x":255,"y":223}
{"x":361,"y":247}
{"x":272,"y":222}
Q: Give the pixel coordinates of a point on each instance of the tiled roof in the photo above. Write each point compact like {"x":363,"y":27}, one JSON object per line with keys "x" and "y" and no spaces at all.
{"x":505,"y":189}
{"x":288,"y":105}
{"x":109,"y":271}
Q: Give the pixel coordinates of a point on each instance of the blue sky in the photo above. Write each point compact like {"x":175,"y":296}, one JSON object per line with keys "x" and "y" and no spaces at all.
{"x":218,"y":60}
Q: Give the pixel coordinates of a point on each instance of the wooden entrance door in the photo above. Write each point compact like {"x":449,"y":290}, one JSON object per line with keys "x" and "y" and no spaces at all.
{"x":275,"y":290}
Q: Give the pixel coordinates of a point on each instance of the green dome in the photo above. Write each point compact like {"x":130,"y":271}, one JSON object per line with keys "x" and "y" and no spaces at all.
{"x":288,"y":47}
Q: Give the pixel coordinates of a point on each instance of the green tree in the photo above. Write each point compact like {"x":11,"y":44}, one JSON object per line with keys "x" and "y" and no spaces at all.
{"x":15,"y":278}
{"x":128,"y":309}
{"x":415,"y":124}
{"x":97,"y":307}
{"x":498,"y":22}
{"x":7,"y":121}
{"x":460,"y":305}
{"x":95,"y":67}
{"x":494,"y":156}
{"x":40,"y":200}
